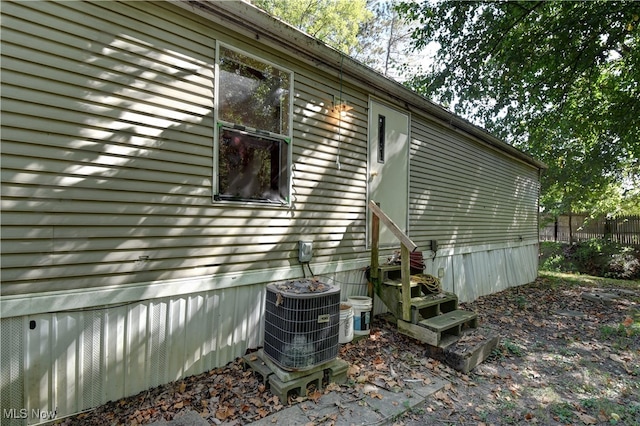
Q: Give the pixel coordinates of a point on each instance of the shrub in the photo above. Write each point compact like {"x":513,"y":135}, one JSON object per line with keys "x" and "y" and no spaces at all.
{"x":624,"y":265}
{"x":596,"y":256}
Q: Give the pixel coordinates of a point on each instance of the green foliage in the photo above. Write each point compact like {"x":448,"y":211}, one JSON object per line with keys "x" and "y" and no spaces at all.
{"x":598,"y":257}
{"x":511,"y":348}
{"x":557,"y":79}
{"x":554,"y":259}
{"x":336,"y":22}
{"x":616,"y":413}
{"x":605,"y":258}
{"x":624,"y":334}
{"x":563,"y":412}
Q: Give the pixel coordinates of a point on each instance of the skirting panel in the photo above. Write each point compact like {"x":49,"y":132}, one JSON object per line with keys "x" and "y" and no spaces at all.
{"x":64,"y":362}
{"x":478,"y":273}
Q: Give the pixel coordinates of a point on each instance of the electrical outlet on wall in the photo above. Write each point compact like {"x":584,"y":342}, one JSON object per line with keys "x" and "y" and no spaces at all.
{"x":305,"y":251}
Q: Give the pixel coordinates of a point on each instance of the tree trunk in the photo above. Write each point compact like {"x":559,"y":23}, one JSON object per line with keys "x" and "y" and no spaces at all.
{"x":387,"y":58}
{"x":570,"y":227}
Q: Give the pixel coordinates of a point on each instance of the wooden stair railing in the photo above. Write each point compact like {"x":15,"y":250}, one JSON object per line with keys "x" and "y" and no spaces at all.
{"x":432,"y":318}
{"x":406,"y":247}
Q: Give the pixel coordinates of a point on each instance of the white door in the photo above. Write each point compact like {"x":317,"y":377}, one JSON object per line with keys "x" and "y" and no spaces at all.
{"x":389,"y":166}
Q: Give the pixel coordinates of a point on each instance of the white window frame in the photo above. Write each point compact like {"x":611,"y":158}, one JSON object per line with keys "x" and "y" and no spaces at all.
{"x":218,"y":124}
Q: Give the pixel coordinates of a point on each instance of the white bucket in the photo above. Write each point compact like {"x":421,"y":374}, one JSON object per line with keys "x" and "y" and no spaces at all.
{"x":361,"y":314}
{"x":346,"y":323}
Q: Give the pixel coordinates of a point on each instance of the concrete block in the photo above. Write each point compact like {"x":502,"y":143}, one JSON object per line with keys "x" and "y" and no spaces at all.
{"x":465,"y":356}
{"x":298,"y":386}
{"x":336,"y":371}
{"x":256,"y":362}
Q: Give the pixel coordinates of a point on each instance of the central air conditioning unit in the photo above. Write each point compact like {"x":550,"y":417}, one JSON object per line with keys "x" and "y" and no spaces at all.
{"x":302,"y":321}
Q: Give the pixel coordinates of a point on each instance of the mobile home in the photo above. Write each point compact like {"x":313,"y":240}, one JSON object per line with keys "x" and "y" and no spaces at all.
{"x":161,"y":162}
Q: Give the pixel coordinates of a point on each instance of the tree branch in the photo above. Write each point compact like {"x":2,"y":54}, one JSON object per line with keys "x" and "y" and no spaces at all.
{"x":515,"y":23}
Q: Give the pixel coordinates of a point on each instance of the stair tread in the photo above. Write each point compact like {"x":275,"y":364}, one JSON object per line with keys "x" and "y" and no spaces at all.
{"x":450,"y":319}
{"x":397,"y":283}
{"x":430,"y":300}
{"x":389,"y":267}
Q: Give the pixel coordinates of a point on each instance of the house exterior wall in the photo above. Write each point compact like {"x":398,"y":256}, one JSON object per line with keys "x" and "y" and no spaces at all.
{"x":108,"y":163}
{"x":120,"y":272}
{"x":480,"y":207}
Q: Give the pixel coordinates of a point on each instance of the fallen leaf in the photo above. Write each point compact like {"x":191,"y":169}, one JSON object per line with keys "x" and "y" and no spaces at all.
{"x":315,"y":396}
{"x":183,"y":387}
{"x":332,"y":387}
{"x":224,"y":413}
{"x":353,"y":370}
{"x":257,"y":402}
{"x":602,"y":416}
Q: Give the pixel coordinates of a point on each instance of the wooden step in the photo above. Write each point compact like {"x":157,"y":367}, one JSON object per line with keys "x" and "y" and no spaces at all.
{"x":430,"y":306}
{"x":397,"y":283}
{"x":439,"y":330}
{"x":431,"y":300}
{"x":422,"y":306}
{"x":465,"y":354}
{"x":387,"y":268}
{"x":450,"y":320}
{"x":389,"y":272}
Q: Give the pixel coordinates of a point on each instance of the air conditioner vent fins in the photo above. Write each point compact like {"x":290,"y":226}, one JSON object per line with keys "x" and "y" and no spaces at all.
{"x":302,"y":319}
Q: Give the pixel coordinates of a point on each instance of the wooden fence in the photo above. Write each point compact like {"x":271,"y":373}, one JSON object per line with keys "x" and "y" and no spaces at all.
{"x":624,"y":230}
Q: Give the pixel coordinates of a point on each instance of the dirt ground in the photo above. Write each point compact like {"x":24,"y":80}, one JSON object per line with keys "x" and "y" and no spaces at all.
{"x":569,"y":355}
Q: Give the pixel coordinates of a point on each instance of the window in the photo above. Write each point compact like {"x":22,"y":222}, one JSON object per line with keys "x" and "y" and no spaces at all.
{"x":382,"y":137}
{"x":252,"y":167}
{"x":253,"y":133}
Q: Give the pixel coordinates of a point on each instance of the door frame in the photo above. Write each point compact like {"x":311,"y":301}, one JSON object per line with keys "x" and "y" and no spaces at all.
{"x":374,"y":100}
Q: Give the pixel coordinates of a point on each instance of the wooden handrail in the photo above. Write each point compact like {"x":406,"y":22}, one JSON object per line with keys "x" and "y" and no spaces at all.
{"x":406,"y":247}
{"x":404,"y":239}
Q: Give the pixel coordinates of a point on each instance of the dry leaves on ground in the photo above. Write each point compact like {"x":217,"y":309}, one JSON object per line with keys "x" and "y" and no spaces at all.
{"x":563,"y":360}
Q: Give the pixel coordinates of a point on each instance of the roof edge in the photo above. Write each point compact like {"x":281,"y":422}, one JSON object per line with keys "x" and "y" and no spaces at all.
{"x":258,"y":24}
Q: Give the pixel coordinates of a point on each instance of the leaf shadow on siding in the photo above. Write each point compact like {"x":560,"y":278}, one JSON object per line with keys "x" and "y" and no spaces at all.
{"x":470,"y":198}
{"x":111,"y":187}
{"x":466,"y":195}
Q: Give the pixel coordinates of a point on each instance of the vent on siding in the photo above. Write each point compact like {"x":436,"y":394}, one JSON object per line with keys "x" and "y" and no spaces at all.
{"x":302,"y":320}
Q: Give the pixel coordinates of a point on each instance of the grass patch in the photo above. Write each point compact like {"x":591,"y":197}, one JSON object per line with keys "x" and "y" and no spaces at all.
{"x":562,"y":412}
{"x":611,"y":411}
{"x":511,"y":348}
{"x":624,"y":334}
{"x":561,"y":279}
